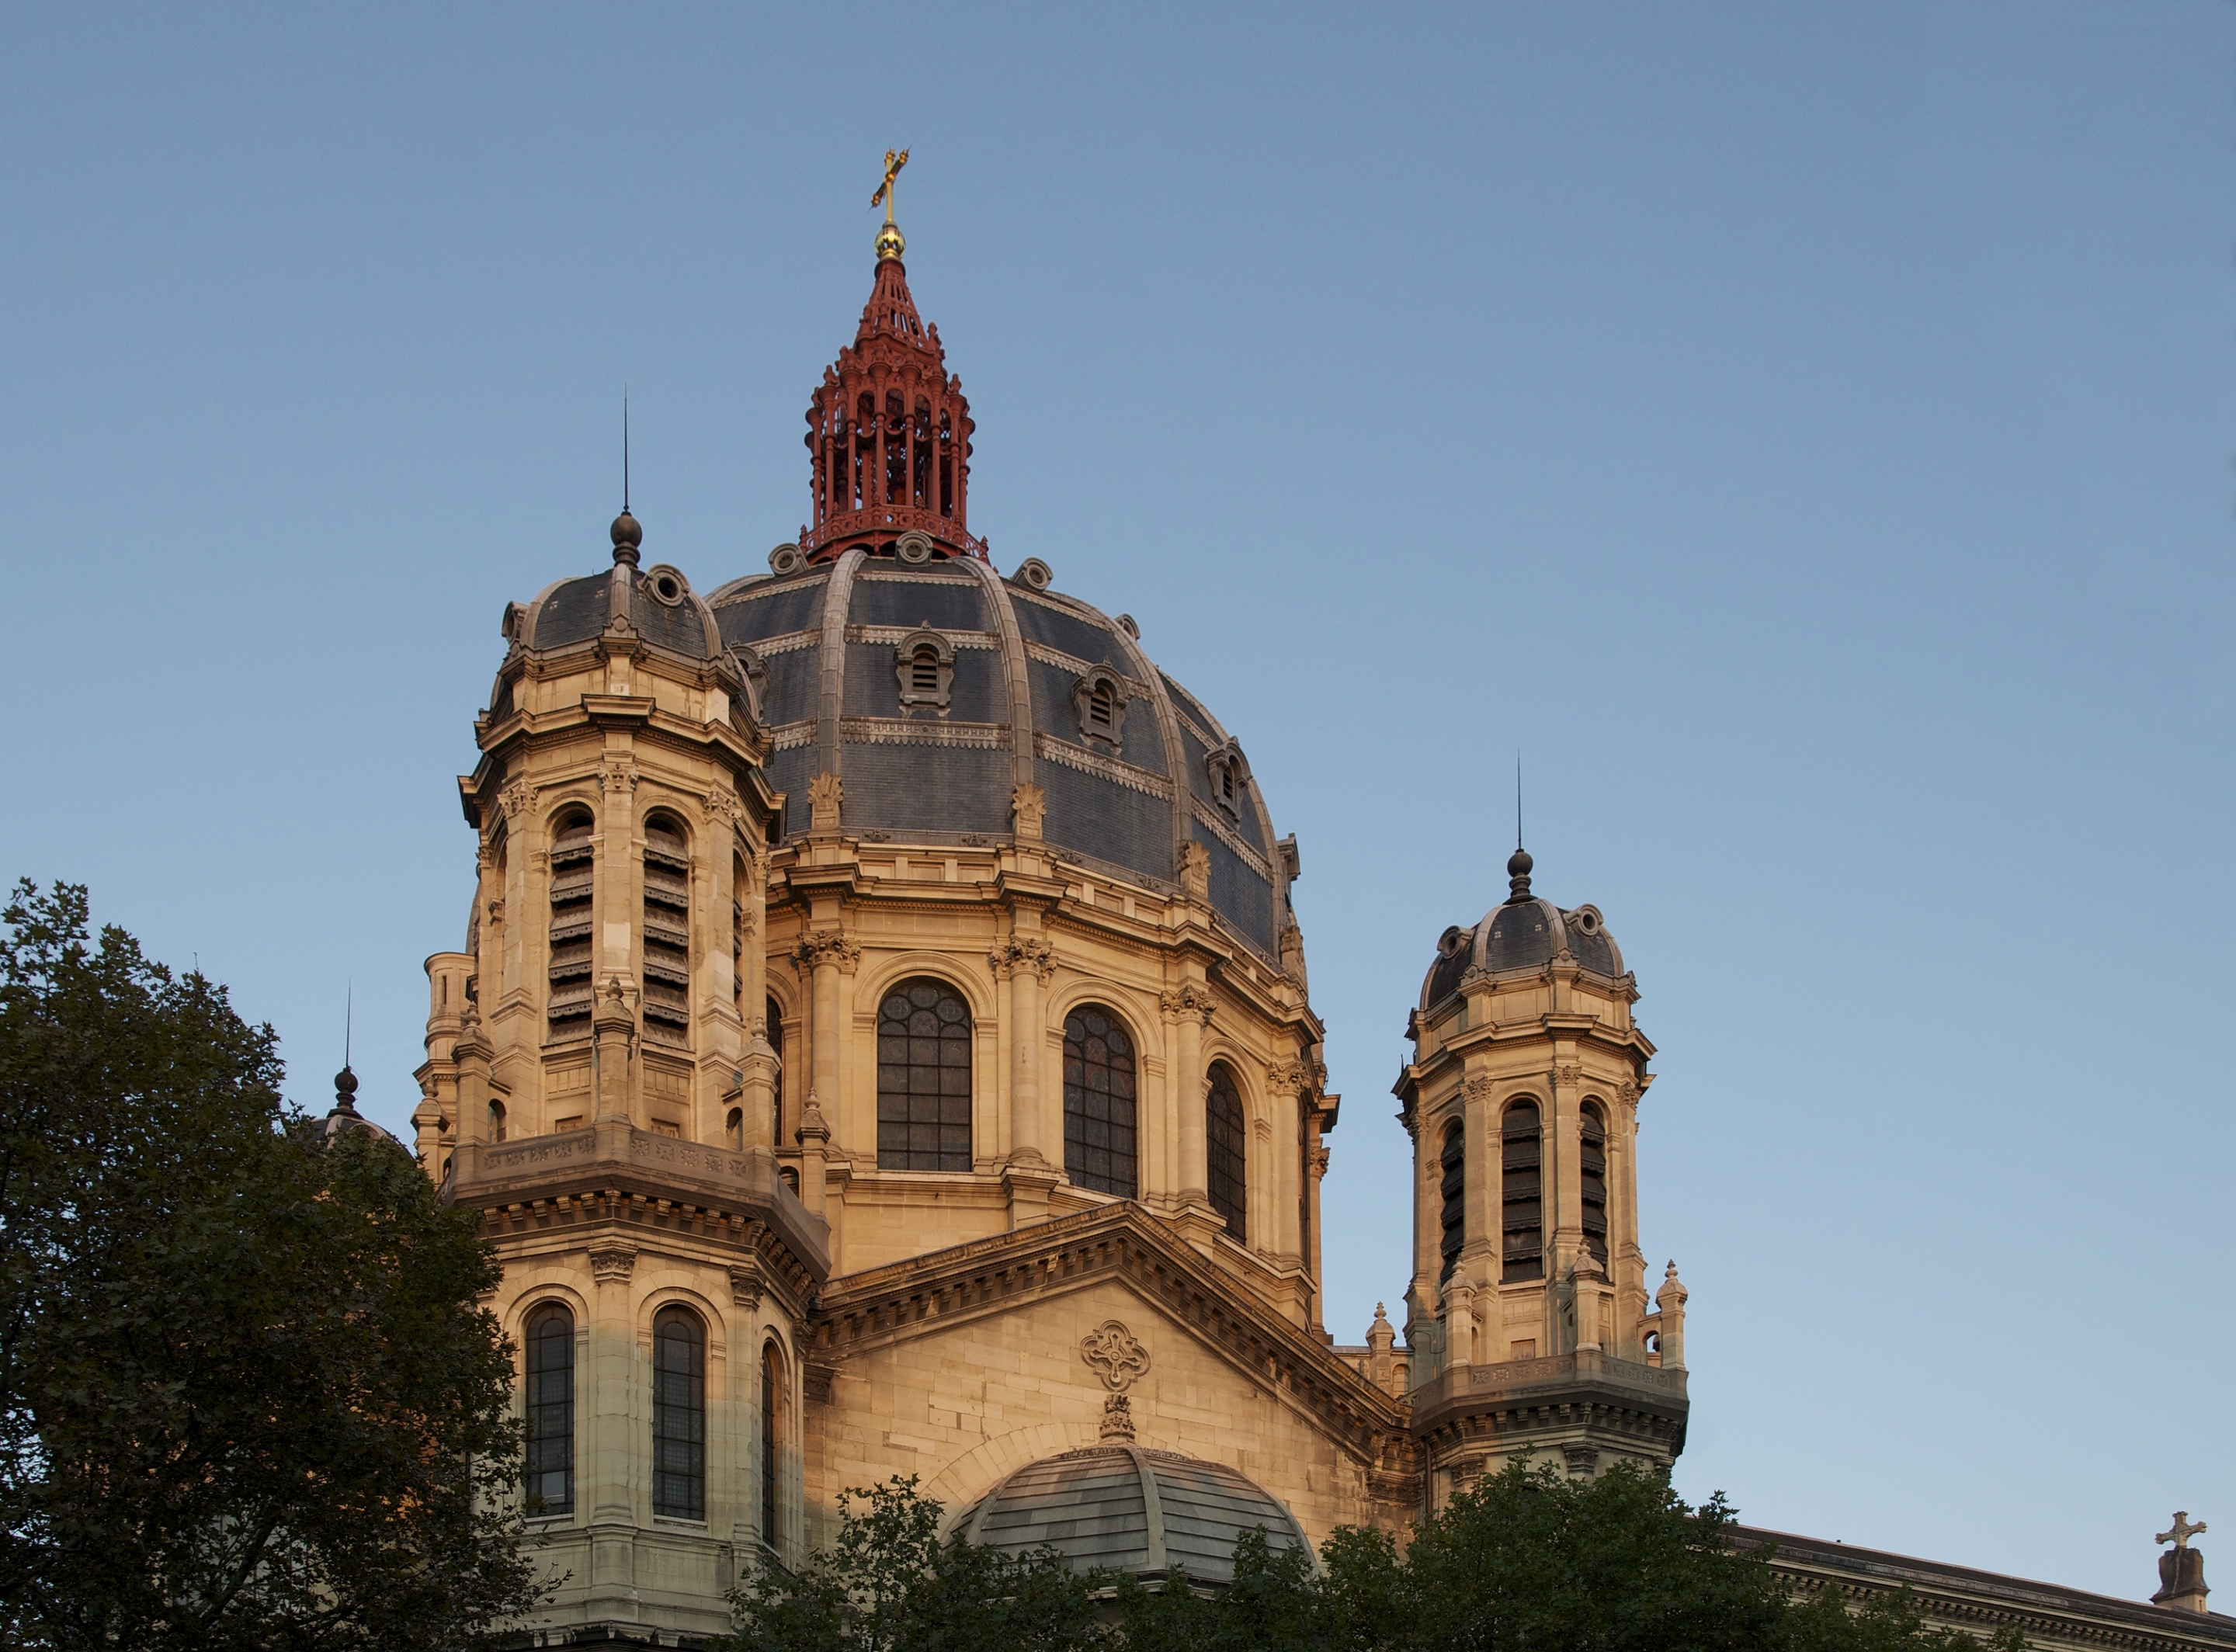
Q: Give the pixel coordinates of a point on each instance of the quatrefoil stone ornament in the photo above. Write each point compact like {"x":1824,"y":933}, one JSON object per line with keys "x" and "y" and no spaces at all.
{"x":1113,"y":1354}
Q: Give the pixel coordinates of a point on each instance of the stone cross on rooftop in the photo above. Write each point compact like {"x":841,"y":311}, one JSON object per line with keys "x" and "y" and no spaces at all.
{"x":2183,"y":1531}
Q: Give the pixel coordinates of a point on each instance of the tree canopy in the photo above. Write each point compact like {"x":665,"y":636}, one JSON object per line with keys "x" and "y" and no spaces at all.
{"x":1526,"y":1559}
{"x":247,"y":1398}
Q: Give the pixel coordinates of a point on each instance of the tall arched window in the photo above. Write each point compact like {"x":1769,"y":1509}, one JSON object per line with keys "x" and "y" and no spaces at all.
{"x":496,"y":1121}
{"x":678,"y":1415}
{"x":550,"y":1412}
{"x":1224,"y":1138}
{"x":924,"y":1079}
{"x":1522,"y":1194}
{"x":667,"y":932}
{"x":1101,"y":1147}
{"x":774,"y":1013}
{"x":772,"y":1432}
{"x":574,"y":877}
{"x":1453,"y":1163}
{"x":1592,"y":1161}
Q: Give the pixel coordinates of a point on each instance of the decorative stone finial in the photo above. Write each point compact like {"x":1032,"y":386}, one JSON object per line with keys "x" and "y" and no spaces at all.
{"x":1517,"y":876}
{"x":628,"y":536}
{"x":345,"y":1097}
{"x":2182,"y":1569}
{"x":1118,"y":1419}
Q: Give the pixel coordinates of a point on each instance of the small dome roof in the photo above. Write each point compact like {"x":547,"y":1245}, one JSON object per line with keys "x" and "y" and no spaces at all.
{"x":1525,"y":933}
{"x":659,"y":601}
{"x":1132,"y":1510}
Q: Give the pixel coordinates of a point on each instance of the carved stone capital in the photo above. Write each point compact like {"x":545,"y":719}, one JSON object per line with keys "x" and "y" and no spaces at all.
{"x":1320,"y":1161}
{"x":1626,"y":1092}
{"x":1028,"y":807}
{"x":1190,"y":1000}
{"x":516,"y":797}
{"x":1479,"y":1088}
{"x":1023,"y":952}
{"x":1285,"y":1077}
{"x":747,"y":1282}
{"x":827,"y":946}
{"x":617,"y":774}
{"x":1568,"y":1073}
{"x":723,"y":805}
{"x":612,"y":1262}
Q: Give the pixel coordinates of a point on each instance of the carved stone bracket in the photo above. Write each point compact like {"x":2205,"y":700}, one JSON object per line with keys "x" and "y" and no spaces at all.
{"x":516,"y":797}
{"x":1320,"y":1161}
{"x":1114,"y":1354}
{"x":1479,"y":1088}
{"x":612,"y":1264}
{"x":825,"y":794}
{"x":617,"y":775}
{"x":1028,"y":805}
{"x":1568,"y":1073}
{"x":1195,"y":872}
{"x":1023,"y":952}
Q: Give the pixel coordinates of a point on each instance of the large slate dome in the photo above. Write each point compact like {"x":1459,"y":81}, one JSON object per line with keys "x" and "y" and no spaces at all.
{"x":1131,"y":1509}
{"x":1031,"y":687}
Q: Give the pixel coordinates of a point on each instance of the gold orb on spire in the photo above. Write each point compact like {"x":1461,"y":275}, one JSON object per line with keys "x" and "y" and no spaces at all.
{"x":889,"y":244}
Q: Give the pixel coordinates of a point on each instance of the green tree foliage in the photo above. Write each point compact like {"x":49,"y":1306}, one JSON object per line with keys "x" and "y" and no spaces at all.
{"x":888,"y":1584}
{"x":1526,"y":1560}
{"x":247,"y":1397}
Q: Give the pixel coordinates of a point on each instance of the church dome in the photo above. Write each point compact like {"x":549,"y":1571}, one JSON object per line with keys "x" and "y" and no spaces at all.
{"x":934,"y":689}
{"x":885,"y":649}
{"x":1131,"y":1509}
{"x":1525,"y":932}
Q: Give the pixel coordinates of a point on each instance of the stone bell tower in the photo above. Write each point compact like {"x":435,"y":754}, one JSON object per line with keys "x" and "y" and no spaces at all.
{"x":1528,"y":1313}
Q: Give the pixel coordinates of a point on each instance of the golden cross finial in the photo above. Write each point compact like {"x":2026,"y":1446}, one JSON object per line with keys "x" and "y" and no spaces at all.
{"x":894,"y":162}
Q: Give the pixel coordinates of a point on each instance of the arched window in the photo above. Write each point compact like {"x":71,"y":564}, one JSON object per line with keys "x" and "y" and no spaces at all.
{"x":774,"y":1012}
{"x":550,"y":1412}
{"x":1098,"y":706}
{"x":924,"y":1079}
{"x":1224,"y":1136}
{"x":1592,"y":1161}
{"x":1520,"y":1196}
{"x":923,"y":669}
{"x":1453,"y":1161}
{"x":733,"y":1129}
{"x":772,"y":1432}
{"x":1099,"y":1143}
{"x":678,"y":1415}
{"x":574,"y":877}
{"x":667,"y":932}
{"x":496,"y":1121}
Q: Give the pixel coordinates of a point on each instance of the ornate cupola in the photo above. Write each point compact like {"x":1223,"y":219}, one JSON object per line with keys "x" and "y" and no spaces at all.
{"x":888,"y":428}
{"x":1532,"y":1332}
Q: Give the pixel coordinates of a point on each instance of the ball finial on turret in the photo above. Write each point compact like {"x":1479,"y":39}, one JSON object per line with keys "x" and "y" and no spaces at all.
{"x":1517,"y":875}
{"x":628,"y":536}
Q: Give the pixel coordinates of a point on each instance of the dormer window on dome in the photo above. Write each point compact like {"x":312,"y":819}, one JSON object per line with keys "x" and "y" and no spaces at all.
{"x":925,"y":661}
{"x":1229,"y":773}
{"x":1099,"y":701}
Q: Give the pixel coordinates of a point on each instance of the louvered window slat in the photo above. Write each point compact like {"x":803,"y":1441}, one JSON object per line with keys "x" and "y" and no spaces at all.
{"x":1521,"y":1151}
{"x":666,"y":931}
{"x":574,"y":880}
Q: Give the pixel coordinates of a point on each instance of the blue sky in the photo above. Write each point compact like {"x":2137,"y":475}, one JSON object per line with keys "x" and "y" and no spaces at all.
{"x":1806,"y":431}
